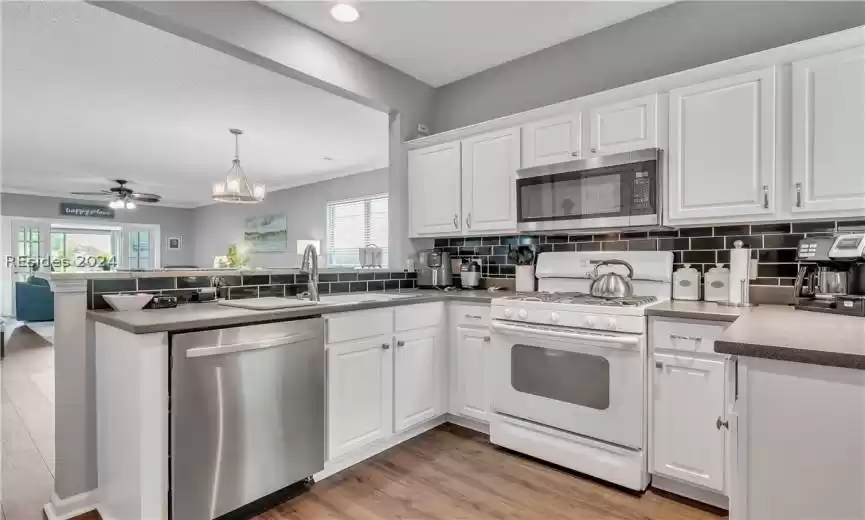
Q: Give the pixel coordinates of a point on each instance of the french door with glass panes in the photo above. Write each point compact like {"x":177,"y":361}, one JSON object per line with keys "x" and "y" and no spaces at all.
{"x":31,"y":248}
{"x":138,"y":248}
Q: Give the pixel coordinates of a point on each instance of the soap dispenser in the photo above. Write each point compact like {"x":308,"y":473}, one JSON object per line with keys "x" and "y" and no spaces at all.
{"x":686,"y":283}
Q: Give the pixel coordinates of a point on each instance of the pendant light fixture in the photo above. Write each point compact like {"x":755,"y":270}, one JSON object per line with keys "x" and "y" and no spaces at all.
{"x":236,"y":188}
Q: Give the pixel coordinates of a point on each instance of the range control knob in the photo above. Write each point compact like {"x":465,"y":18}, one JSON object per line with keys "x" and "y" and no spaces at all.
{"x":554,"y":317}
{"x":523,"y":314}
{"x":611,"y":323}
{"x":509,"y":313}
{"x":590,"y":321}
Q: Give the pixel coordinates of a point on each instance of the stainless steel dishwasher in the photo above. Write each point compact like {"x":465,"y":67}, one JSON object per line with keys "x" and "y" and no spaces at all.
{"x":247,"y":414}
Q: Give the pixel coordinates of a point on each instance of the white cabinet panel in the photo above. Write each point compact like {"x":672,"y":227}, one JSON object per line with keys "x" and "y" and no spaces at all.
{"x":472,"y":378}
{"x":434,"y":189}
{"x":359,"y":394}
{"x":551,"y":141}
{"x":688,"y":400}
{"x":829,"y":132}
{"x":415,"y":378}
{"x":624,"y":127}
{"x":722,"y":148}
{"x":490,"y":162}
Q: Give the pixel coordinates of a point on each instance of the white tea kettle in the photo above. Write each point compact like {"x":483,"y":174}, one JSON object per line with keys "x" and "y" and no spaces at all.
{"x":612,"y":284}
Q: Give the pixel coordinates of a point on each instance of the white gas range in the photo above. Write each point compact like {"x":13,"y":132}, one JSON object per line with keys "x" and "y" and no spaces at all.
{"x":569,"y":370}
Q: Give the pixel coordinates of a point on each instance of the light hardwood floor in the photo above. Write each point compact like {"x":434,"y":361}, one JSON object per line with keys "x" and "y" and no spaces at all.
{"x":28,"y":425}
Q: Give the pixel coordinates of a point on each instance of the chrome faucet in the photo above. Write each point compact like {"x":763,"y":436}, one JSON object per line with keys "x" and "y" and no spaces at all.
{"x":309,"y":265}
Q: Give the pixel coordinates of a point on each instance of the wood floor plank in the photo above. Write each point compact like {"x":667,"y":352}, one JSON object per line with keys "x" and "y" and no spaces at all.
{"x":450,"y":473}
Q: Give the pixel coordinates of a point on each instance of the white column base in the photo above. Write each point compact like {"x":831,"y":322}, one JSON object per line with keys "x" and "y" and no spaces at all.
{"x":66,"y":508}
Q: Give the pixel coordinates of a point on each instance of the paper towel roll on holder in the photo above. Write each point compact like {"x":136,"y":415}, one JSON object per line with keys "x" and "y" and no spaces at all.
{"x":744,"y":285}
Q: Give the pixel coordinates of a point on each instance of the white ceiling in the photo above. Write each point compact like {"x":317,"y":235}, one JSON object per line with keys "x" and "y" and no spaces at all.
{"x":89,"y":95}
{"x":442,"y":41}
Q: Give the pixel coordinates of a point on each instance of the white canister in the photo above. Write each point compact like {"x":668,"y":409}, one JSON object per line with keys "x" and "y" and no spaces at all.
{"x":525,"y":278}
{"x":686,"y":283}
{"x":716,"y":286}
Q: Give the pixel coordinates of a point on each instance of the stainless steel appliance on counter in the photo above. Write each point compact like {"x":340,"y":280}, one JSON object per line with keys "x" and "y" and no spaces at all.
{"x":470,"y":275}
{"x":247,"y":414}
{"x":617,"y":190}
{"x":434,"y":269}
{"x":832,"y":274}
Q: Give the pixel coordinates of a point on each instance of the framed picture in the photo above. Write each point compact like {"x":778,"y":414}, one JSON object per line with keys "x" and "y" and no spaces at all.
{"x":175,"y":242}
{"x":266,"y":233}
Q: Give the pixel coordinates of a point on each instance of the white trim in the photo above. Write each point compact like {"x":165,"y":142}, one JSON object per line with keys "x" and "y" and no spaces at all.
{"x":749,"y":62}
{"x":67,"y":508}
{"x":692,"y":492}
{"x":468,"y":422}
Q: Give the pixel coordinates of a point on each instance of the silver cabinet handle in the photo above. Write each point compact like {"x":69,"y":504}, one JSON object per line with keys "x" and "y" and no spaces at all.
{"x":469,"y":219}
{"x":385,"y":346}
{"x":594,"y":150}
{"x":766,"y":196}
{"x":456,"y":221}
{"x":486,"y":339}
{"x":575,"y":154}
{"x":686,"y":338}
{"x":798,"y":194}
{"x":469,"y":316}
{"x":719,"y":423}
{"x":658,"y":364}
{"x":400,"y":343}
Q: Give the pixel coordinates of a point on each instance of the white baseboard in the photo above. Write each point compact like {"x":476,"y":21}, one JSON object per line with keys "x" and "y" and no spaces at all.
{"x":66,"y":508}
{"x":468,"y":422}
{"x":706,"y":496}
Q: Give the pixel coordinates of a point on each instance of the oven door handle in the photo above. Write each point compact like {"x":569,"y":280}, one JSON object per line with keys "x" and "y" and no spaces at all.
{"x":620,"y":340}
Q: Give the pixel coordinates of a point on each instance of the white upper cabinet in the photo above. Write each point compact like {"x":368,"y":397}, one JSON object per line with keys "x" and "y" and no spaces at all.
{"x":722,"y":148}
{"x":829,"y":133}
{"x":624,"y":127}
{"x":415,"y":378}
{"x":490,"y":163}
{"x":434,"y":189}
{"x":688,"y":439}
{"x":551,"y":141}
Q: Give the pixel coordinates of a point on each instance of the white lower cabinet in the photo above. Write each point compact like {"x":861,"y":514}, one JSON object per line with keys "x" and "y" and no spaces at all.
{"x":359,"y":393}
{"x":473,"y":399}
{"x":416,"y":385}
{"x":689,"y":437}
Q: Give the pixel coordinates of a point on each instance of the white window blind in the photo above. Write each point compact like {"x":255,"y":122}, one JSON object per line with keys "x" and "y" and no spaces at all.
{"x":352,"y":224}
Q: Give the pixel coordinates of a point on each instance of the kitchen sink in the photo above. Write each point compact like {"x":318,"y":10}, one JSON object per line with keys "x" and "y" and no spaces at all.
{"x":363,"y":297}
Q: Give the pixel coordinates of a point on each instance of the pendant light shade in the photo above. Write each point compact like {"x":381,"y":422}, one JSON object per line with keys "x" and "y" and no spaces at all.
{"x":236,"y":187}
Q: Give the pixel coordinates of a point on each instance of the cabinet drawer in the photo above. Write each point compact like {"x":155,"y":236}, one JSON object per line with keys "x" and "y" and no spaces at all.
{"x":418,"y":316}
{"x":470,"y":315}
{"x":685,"y":336}
{"x":357,"y":325}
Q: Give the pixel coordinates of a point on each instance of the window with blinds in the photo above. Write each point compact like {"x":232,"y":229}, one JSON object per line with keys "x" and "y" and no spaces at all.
{"x":352,"y":224}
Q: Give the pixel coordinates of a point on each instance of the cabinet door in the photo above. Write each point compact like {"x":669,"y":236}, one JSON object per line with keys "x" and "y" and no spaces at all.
{"x":551,"y":141}
{"x":829,"y":132}
{"x":624,"y":127}
{"x":472,"y":377}
{"x":722,"y":147}
{"x":490,"y":164}
{"x":688,"y":442}
{"x":359,"y":394}
{"x":434,"y":189}
{"x":415,"y":378}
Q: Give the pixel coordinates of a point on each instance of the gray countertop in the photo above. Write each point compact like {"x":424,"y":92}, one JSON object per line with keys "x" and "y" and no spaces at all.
{"x":209,"y":315}
{"x":696,"y":310}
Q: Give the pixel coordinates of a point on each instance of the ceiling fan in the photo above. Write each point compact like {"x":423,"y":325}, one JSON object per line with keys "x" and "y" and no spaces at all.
{"x":121,"y":196}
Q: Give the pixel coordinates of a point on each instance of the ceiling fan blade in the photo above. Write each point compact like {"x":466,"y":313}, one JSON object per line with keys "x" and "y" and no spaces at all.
{"x":146,"y":197}
{"x":103,"y":192}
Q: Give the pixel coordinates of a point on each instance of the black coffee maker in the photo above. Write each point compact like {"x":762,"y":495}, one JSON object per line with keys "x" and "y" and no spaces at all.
{"x":832,"y":274}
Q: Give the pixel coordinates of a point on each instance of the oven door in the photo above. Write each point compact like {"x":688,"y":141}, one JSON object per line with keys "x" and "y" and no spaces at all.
{"x":589,"y":194}
{"x":585,"y":382}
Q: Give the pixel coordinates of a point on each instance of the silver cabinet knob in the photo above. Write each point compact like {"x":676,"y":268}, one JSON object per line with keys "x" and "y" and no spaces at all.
{"x":400,"y":343}
{"x":575,"y":154}
{"x":594,"y":150}
{"x":456,"y":221}
{"x":719,"y":423}
{"x":658,"y":364}
{"x":798,"y":194}
{"x":486,"y":339}
{"x":385,"y":346}
{"x":469,"y":220}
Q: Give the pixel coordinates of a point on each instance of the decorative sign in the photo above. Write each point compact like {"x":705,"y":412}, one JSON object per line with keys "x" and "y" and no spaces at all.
{"x":74,"y":209}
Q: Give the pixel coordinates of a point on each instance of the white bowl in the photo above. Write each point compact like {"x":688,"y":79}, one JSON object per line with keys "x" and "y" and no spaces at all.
{"x":127,"y":302}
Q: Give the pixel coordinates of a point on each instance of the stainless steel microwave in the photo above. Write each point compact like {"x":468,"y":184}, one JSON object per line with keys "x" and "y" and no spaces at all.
{"x":612,"y":191}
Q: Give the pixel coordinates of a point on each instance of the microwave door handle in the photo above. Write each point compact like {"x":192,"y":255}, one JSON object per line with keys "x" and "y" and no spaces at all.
{"x":612,"y":340}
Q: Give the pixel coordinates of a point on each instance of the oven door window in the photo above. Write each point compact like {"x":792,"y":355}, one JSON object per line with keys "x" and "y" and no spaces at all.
{"x":570,"y":377}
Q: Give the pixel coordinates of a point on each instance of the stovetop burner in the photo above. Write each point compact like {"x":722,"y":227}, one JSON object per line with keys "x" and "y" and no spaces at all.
{"x":576,"y":298}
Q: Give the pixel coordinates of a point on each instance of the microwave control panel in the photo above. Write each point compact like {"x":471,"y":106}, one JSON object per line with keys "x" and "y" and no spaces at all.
{"x":642,"y":193}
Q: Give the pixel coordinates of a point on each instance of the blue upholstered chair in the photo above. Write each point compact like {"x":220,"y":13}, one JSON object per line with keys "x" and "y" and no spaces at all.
{"x":34,"y":300}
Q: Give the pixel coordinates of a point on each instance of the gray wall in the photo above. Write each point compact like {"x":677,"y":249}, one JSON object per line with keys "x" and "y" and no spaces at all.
{"x":220,"y":225}
{"x":173,"y":222}
{"x":671,"y":39}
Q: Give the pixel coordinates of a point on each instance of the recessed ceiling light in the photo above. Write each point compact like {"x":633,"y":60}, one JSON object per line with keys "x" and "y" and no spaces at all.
{"x":326,"y":158}
{"x":344,"y":13}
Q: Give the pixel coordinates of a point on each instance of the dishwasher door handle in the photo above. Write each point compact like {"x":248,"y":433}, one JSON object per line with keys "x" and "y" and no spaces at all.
{"x":243,"y":347}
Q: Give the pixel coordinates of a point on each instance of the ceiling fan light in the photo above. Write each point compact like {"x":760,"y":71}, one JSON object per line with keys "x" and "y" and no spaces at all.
{"x":115,"y":204}
{"x":218,"y":188}
{"x":130,"y":205}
